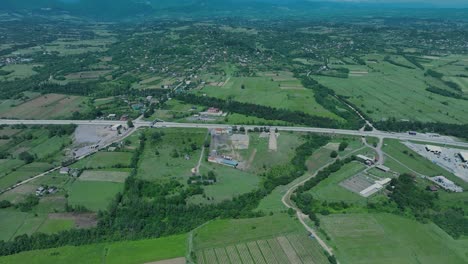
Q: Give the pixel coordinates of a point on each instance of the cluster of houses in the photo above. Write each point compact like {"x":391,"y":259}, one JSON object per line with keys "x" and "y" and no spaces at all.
{"x":70,"y":171}
{"x":44,"y":190}
{"x":13,"y":60}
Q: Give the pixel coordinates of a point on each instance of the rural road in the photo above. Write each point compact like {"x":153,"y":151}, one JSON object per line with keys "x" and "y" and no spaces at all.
{"x":379,"y":134}
{"x":286,"y":200}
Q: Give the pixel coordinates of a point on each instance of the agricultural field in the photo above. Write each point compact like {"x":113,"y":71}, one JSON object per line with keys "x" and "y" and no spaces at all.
{"x":282,"y":91}
{"x":367,"y":238}
{"x":104,"y":175}
{"x":273,"y":239}
{"x":172,"y":248}
{"x":18,"y":71}
{"x":387,"y":90}
{"x":15,"y":223}
{"x":24,"y":172}
{"x":66,"y":47}
{"x":48,"y":106}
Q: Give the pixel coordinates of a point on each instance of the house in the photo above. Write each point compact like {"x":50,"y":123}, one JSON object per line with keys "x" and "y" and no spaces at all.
{"x":40,"y":191}
{"x":64,"y":170}
{"x":383,"y":168}
{"x":365,"y":159}
{"x":232,"y":163}
{"x":212,"y":111}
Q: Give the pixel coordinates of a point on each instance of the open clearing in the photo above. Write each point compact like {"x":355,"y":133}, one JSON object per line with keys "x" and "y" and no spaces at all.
{"x":367,"y":238}
{"x":47,"y":107}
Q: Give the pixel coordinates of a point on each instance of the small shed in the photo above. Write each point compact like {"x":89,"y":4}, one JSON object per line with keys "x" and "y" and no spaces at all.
{"x":64,"y":170}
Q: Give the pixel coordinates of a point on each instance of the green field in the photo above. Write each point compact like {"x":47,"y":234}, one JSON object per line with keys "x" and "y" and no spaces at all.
{"x":92,"y":194}
{"x":48,"y":106}
{"x":14,"y":223}
{"x":163,"y":165}
{"x":391,"y":91}
{"x":18,"y":71}
{"x":128,"y":252}
{"x":104,"y":175}
{"x":330,"y":190}
{"x":263,"y":158}
{"x":226,"y":179}
{"x":25,"y":172}
{"x":104,"y":160}
{"x":283,"y":91}
{"x":386,"y":238}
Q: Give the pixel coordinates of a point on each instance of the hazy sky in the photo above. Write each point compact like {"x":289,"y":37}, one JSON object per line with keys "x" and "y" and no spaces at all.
{"x":439,"y":3}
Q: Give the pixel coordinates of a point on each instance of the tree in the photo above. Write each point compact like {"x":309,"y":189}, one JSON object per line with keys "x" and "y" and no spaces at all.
{"x":130,"y":123}
{"x":5,"y":204}
{"x":343,"y":146}
{"x":334,"y":154}
{"x":243,"y":86}
{"x":26,"y":157}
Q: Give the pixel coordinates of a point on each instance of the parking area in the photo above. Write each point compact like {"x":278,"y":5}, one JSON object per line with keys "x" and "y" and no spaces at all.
{"x":447,"y":158}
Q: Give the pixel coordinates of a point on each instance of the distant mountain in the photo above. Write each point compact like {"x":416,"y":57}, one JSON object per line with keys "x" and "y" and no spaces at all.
{"x":103,"y":9}
{"x":124,"y":9}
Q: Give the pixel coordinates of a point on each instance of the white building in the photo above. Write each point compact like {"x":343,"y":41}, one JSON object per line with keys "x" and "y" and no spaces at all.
{"x":464,"y":156}
{"x":433,"y":149}
{"x":446,"y":184}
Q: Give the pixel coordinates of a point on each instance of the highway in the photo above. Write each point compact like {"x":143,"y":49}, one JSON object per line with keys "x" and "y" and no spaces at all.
{"x":138,"y":123}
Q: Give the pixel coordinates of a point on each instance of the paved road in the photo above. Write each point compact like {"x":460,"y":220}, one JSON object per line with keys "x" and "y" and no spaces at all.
{"x":139,"y":123}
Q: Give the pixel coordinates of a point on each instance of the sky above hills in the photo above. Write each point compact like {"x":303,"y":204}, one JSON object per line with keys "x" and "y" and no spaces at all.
{"x":435,"y":3}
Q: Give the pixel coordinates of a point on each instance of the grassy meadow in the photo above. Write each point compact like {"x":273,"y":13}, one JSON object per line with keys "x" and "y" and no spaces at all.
{"x":387,"y":238}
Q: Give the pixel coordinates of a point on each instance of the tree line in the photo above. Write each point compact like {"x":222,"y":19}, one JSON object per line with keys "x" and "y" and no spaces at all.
{"x":392,"y":124}
{"x":266,"y":112}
